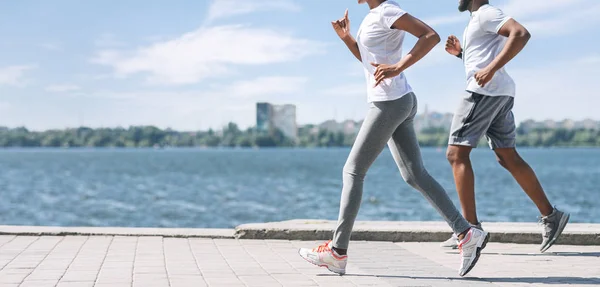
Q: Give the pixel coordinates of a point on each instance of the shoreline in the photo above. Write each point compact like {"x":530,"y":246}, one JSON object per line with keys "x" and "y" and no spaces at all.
{"x":302,"y":229}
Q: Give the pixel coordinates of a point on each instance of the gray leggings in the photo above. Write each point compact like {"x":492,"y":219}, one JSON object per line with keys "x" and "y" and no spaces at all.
{"x":390,"y":122}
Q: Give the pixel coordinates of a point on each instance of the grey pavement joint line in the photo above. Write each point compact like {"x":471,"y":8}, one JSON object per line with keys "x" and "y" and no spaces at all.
{"x":137,"y":243}
{"x":74,"y":257}
{"x":162,"y":242}
{"x":196,"y":260}
{"x":8,"y":241}
{"x":21,"y":252}
{"x":227,"y":261}
{"x":112,"y":238}
{"x":395,"y":252}
{"x":258,"y":263}
{"x":49,"y":252}
{"x":286,"y":261}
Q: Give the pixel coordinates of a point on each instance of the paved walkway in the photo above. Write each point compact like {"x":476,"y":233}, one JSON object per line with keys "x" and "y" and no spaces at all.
{"x":172,"y":262}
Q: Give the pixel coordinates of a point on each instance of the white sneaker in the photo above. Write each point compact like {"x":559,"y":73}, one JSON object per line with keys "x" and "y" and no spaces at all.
{"x":470,"y":249}
{"x":324,"y":256}
{"x":452,"y":242}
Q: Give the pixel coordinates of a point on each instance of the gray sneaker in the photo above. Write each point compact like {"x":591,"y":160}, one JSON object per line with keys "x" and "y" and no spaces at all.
{"x":554,"y":224}
{"x":452,"y":242}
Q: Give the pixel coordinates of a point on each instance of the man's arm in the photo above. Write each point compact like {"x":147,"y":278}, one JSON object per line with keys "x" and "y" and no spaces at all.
{"x":352,"y":46}
{"x":517,"y":36}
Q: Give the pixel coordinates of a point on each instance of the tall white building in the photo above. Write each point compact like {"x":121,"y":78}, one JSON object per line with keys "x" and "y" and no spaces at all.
{"x":283,"y":117}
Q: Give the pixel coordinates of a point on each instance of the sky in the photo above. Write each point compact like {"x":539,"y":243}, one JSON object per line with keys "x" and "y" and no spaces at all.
{"x":198,"y":64}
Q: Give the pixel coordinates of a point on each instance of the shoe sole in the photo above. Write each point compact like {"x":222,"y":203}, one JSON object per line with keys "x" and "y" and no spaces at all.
{"x":331,"y":269}
{"x":561,"y":226}
{"x":477,"y":254}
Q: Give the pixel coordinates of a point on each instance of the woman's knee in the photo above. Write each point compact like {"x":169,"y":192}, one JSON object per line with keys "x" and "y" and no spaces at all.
{"x":415,"y":176}
{"x":352,"y":171}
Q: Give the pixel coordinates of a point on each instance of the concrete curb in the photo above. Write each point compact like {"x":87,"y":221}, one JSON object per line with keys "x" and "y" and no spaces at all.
{"x":522,"y":233}
{"x":395,"y":231}
{"x":118,"y":231}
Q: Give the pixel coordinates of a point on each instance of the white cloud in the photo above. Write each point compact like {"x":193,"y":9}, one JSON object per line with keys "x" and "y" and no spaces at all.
{"x":207,"y":52}
{"x":198,"y":108}
{"x":525,"y":11}
{"x":532,"y":8}
{"x":445,"y":20}
{"x":561,"y":90}
{"x":14,"y":75}
{"x":565,"y":22}
{"x":5,"y":106}
{"x":229,"y":8}
{"x":266,"y":86}
{"x":347,"y":90}
{"x":108,"y":40}
{"x":62,"y":88}
{"x":436,"y":56}
{"x":51,"y":46}
{"x":591,"y":59}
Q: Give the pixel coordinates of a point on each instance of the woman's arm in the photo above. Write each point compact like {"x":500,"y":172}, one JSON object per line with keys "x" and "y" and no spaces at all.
{"x":428,"y":38}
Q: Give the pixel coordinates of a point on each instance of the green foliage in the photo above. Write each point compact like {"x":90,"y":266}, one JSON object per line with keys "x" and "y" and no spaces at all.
{"x":232,"y":136}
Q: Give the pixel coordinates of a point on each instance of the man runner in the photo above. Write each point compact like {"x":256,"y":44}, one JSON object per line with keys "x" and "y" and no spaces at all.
{"x":490,"y":41}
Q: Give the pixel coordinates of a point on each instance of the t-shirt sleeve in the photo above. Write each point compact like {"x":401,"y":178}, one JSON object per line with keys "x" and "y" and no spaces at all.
{"x":390,"y":14}
{"x":492,"y":19}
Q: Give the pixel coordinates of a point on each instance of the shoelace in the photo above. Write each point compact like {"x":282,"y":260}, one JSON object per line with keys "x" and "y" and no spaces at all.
{"x":323,"y":247}
{"x":543,"y":221}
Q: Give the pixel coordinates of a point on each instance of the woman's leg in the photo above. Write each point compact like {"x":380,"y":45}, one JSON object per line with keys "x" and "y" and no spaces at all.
{"x":381,"y":121}
{"x":407,"y":154}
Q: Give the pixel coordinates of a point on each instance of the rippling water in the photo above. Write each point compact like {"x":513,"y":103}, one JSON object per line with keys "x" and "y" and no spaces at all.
{"x":224,"y":188}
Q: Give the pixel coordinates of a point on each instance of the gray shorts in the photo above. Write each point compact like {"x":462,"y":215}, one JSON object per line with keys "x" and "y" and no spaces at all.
{"x":479,"y":115}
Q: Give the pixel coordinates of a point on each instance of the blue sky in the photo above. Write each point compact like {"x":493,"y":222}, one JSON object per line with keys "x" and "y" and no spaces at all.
{"x":196,"y":64}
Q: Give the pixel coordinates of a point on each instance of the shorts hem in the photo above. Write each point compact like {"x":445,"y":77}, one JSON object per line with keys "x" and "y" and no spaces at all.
{"x":510,"y":144}
{"x":463,"y":141}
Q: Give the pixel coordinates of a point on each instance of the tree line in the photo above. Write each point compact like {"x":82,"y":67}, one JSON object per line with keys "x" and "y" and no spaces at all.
{"x":233,"y":136}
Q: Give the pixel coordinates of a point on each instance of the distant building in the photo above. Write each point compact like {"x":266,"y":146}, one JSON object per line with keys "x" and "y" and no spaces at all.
{"x":264,"y":112}
{"x":348,"y":127}
{"x":432,"y":120}
{"x":283,"y":117}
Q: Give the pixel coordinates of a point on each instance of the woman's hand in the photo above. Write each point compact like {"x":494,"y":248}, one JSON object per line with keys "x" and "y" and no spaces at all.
{"x":342,"y":26}
{"x":385,"y":72}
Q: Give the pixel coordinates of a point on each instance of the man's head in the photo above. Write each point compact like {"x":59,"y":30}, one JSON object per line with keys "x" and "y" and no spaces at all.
{"x":471,"y":5}
{"x":464,"y":5}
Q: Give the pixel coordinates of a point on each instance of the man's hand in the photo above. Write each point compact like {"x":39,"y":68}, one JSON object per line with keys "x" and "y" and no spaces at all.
{"x":453,"y":46}
{"x":342,"y":26}
{"x":484,"y":76}
{"x":385,"y":72}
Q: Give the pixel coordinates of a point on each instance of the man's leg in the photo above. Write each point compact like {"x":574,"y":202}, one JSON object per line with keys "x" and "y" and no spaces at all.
{"x":464,"y":179}
{"x":525,"y":176}
{"x":470,"y":122}
{"x":502,"y":139}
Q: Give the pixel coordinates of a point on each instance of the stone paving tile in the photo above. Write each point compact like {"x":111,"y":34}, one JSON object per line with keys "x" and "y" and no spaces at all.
{"x":75,"y":284}
{"x":37,"y":283}
{"x":175,"y":262}
{"x":519,"y":265}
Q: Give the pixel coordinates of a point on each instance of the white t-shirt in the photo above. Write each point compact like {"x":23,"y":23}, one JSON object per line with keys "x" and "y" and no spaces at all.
{"x":482,"y":44}
{"x":379,"y":43}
